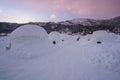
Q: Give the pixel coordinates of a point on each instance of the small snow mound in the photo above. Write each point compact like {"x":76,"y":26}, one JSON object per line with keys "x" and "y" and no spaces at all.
{"x":101,"y":36}
{"x":54,"y":36}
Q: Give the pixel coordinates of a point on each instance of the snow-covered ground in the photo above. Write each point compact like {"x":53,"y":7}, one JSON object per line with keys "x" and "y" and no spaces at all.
{"x":92,"y":57}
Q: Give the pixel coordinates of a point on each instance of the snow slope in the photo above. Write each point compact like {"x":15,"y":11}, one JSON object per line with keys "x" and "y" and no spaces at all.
{"x":81,"y":60}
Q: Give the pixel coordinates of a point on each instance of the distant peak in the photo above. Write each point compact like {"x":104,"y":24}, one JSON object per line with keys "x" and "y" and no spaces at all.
{"x":118,"y":17}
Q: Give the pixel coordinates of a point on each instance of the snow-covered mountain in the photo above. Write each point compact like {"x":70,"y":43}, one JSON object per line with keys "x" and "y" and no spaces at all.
{"x":82,"y":21}
{"x":91,"y":22}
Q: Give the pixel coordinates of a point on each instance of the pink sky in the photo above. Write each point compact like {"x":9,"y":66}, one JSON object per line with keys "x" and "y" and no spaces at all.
{"x":104,"y":7}
{"x":74,"y":8}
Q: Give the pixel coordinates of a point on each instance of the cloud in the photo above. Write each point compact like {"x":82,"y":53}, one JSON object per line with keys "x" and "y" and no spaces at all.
{"x":1,"y":10}
{"x":21,"y":17}
{"x":80,"y":7}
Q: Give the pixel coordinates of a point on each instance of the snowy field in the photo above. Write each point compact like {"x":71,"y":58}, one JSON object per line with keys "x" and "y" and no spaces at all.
{"x":58,"y":56}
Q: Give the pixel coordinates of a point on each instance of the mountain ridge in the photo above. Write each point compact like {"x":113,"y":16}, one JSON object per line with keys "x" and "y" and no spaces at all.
{"x":77,"y":25}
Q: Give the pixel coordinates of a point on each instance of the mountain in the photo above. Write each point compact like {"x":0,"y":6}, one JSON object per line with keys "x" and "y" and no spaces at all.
{"x":82,"y":21}
{"x":78,"y":25}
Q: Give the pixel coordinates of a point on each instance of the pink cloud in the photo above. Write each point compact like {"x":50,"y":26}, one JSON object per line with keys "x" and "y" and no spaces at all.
{"x":80,"y":7}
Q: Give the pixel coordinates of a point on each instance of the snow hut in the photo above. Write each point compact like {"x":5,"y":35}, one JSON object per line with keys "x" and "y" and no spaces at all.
{"x":101,"y":36}
{"x":54,"y":37}
{"x":27,"y":33}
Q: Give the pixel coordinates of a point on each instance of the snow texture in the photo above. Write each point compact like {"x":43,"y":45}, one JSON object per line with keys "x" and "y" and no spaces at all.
{"x":68,"y":60}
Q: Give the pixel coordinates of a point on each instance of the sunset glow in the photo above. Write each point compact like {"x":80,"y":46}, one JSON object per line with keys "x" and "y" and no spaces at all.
{"x":42,"y":10}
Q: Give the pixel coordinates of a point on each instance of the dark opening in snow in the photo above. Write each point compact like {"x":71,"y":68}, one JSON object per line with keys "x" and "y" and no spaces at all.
{"x":99,"y":42}
{"x":54,"y":42}
{"x":78,"y":38}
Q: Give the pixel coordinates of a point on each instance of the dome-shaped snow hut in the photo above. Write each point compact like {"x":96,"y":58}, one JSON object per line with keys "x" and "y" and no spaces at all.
{"x":100,"y":36}
{"x":54,"y":37}
{"x":27,"y":33}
